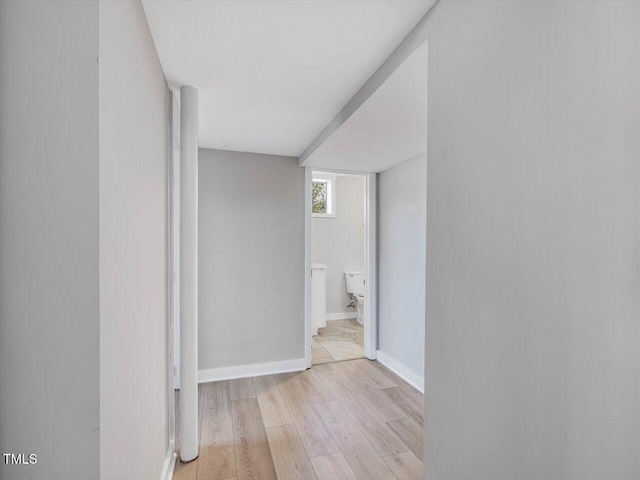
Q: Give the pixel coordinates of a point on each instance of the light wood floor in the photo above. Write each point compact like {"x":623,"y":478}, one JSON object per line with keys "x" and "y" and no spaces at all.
{"x":346,"y":420}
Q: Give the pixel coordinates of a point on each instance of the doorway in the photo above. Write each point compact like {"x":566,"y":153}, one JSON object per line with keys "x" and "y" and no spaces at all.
{"x":340,"y":261}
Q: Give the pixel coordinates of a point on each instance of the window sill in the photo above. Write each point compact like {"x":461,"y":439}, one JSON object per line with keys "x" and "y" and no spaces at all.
{"x":324,"y":215}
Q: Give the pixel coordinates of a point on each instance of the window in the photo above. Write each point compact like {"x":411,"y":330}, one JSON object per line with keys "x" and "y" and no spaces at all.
{"x":323,"y":196}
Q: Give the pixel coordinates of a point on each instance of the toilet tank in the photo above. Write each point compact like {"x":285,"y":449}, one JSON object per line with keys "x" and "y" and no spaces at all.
{"x":355,"y":282}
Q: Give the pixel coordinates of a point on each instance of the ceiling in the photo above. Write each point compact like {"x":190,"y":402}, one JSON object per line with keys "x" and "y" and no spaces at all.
{"x":272,"y":74}
{"x":388,"y":128}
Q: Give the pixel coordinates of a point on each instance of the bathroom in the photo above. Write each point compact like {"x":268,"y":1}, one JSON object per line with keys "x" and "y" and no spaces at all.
{"x":338,"y":234}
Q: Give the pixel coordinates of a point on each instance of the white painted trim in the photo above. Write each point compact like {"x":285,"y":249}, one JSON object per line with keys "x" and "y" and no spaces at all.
{"x":170,"y":251}
{"x":400,"y":369}
{"x":307,"y":266}
{"x":174,"y":258}
{"x":254,"y":370}
{"x":371,"y":268}
{"x":339,"y":173}
{"x":169,"y":462}
{"x":341,"y":316}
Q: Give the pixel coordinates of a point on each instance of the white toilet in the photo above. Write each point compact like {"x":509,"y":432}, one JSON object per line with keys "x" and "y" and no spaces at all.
{"x":356,"y":288}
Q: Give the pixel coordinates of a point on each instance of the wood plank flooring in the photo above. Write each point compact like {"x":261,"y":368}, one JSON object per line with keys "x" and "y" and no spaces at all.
{"x":351,"y":420}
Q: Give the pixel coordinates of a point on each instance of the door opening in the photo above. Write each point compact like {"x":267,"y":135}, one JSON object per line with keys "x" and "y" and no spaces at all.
{"x":340,"y":263}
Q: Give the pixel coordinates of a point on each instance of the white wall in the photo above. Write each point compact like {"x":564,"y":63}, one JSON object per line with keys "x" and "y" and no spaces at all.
{"x":402,"y":222}
{"x":134,"y":143}
{"x":532,"y":259}
{"x":49,"y":318}
{"x":339,"y":242}
{"x":251,"y":259}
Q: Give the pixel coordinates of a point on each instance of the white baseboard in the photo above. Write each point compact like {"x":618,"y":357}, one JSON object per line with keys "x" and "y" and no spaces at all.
{"x":169,"y":462}
{"x":341,"y":316}
{"x":254,"y":370}
{"x":400,"y":369}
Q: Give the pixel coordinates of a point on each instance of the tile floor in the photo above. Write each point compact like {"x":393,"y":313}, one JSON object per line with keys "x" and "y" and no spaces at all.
{"x":339,"y":340}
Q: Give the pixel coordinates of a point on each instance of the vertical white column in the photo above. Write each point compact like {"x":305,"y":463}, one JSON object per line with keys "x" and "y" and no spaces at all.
{"x":188,"y":274}
{"x":307,"y":265}
{"x":371,"y":267}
